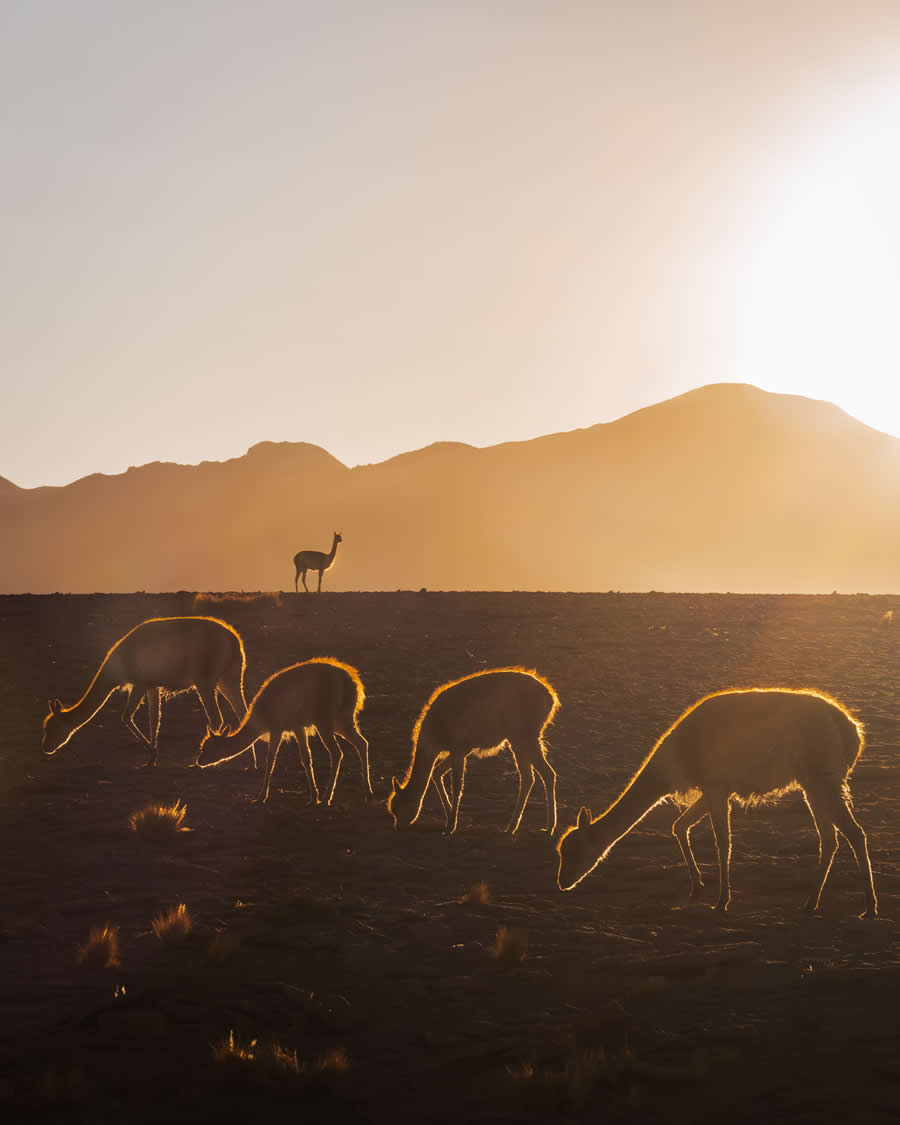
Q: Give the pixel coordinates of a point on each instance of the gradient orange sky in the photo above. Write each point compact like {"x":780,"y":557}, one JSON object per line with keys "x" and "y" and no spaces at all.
{"x":376,"y":225}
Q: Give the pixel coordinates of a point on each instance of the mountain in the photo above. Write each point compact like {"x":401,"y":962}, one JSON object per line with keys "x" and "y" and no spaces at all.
{"x":724,"y":488}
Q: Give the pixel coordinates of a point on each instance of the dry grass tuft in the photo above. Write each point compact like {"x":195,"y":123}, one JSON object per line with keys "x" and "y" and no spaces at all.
{"x":159,"y":823}
{"x":174,"y":926}
{"x":205,"y":601}
{"x":101,"y":950}
{"x":570,"y":1084}
{"x":230,"y":1052}
{"x":479,"y":894}
{"x":273,"y":1067}
{"x":511,"y":945}
{"x":334,"y":1061}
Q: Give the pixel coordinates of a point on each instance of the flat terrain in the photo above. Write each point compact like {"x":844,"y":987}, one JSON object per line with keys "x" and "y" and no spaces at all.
{"x":372,"y":954}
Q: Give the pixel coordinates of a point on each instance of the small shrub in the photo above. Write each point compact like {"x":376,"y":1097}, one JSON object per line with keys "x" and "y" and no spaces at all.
{"x":159,"y":823}
{"x":205,"y":601}
{"x":334,"y":1061}
{"x":102,"y":948}
{"x":174,"y":926}
{"x":479,"y":894}
{"x":569,"y":1085}
{"x":230,"y":1052}
{"x":271,"y":1066}
{"x":511,"y":945}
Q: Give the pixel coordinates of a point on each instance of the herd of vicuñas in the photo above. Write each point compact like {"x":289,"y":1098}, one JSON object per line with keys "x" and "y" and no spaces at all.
{"x":745,"y":745}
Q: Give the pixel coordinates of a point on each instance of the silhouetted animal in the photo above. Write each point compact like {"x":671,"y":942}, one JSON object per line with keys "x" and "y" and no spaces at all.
{"x":744,"y":745}
{"x":321,"y":695}
{"x":479,"y":714}
{"x":315,"y":560}
{"x":159,"y":657}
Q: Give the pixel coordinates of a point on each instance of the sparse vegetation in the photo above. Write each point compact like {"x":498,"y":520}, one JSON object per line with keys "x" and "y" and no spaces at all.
{"x":230,"y":1051}
{"x":203,"y":601}
{"x":570,"y":1082}
{"x":511,"y":945}
{"x":479,"y":894}
{"x":159,"y":824}
{"x":271,"y":1066}
{"x":173,"y":927}
{"x":101,"y":950}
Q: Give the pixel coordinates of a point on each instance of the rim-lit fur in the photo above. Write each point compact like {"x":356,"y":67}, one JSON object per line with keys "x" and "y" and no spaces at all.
{"x":322,"y":695}
{"x":479,"y":715}
{"x":159,"y":658}
{"x":745,"y":745}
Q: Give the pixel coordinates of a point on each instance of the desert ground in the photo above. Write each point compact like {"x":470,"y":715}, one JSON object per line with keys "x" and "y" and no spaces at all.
{"x":359,"y":968}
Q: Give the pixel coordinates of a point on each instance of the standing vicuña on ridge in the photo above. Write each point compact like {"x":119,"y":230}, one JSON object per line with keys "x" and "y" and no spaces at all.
{"x":321,"y":695}
{"x":159,"y":657}
{"x":745,"y":745}
{"x":315,"y":560}
{"x":479,"y":714}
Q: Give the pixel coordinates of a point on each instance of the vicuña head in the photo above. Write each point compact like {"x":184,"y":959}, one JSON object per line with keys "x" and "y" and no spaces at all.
{"x":162,"y":656}
{"x":743,"y":745}
{"x":479,"y":715}
{"x":321,"y":695}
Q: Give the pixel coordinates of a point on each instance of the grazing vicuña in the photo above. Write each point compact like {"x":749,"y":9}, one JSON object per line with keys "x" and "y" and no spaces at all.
{"x":744,"y":745}
{"x":159,"y":657}
{"x":321,"y":695}
{"x":479,"y":714}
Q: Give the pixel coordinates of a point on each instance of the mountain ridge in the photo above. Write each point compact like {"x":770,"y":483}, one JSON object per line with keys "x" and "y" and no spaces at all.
{"x":726,"y":487}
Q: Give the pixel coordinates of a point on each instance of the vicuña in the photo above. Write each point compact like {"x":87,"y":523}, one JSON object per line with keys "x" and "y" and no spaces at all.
{"x":745,"y":746}
{"x":315,"y":560}
{"x":159,"y":658}
{"x":320,"y":695}
{"x":479,"y":714}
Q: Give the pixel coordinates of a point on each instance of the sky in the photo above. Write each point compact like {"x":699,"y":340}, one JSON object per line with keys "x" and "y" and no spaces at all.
{"x":372,"y":226}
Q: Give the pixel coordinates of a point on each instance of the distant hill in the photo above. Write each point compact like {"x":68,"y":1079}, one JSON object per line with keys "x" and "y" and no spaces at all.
{"x":724,"y":488}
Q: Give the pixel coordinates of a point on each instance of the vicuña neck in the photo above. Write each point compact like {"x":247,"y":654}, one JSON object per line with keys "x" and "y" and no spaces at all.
{"x":102,"y":686}
{"x":420,"y":771}
{"x":644,"y":792}
{"x":248,"y":732}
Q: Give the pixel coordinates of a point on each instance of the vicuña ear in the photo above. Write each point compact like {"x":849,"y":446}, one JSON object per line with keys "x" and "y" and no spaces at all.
{"x":209,"y":731}
{"x":395,"y":785}
{"x":584,"y":817}
{"x":55,"y":706}
{"x":226,"y":729}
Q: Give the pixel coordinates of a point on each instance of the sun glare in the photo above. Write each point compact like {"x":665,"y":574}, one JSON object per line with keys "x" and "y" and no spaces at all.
{"x":817,"y":295}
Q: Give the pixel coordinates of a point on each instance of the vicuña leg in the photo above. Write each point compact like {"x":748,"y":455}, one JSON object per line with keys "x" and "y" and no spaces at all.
{"x":681,"y":830}
{"x":210,"y":703}
{"x":457,"y":784}
{"x":355,"y":737}
{"x":827,"y":832}
{"x":133,"y":700}
{"x":153,"y":696}
{"x":336,"y":757}
{"x":275,"y":737}
{"x":831,"y":803}
{"x":547,"y":774}
{"x":522,"y":795}
{"x":306,"y":763}
{"x":720,"y":815}
{"x":439,"y":783}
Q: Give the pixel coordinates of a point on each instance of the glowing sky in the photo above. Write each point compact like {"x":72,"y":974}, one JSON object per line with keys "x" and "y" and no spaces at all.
{"x":375,"y":225}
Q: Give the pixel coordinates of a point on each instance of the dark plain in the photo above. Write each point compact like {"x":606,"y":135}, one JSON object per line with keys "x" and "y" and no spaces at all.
{"x":336,"y":970}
